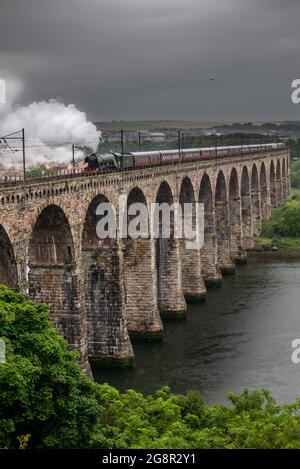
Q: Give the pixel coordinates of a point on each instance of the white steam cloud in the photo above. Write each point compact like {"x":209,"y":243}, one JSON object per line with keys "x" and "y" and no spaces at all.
{"x":51,"y":127}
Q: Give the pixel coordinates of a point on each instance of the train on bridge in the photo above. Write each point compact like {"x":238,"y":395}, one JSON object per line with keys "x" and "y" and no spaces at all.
{"x":136,"y":160}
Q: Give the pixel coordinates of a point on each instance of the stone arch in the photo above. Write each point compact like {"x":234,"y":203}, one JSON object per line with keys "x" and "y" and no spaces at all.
{"x":279,"y":182}
{"x":255,"y":201}
{"x":192,"y":283}
{"x":164,"y":196}
{"x":52,"y":271}
{"x":273,"y":191}
{"x":246,"y":208}
{"x":210,"y":271}
{"x":171,"y":302}
{"x":222,"y":226}
{"x":143,"y":320}
{"x":237,"y":248}
{"x":284,"y":180}
{"x":51,"y":240}
{"x":254,"y":177}
{"x":8,"y":266}
{"x":287,"y":167}
{"x":164,"y":193}
{"x":136,"y":195}
{"x":90,"y":239}
{"x":103,"y":285}
{"x":264,"y":193}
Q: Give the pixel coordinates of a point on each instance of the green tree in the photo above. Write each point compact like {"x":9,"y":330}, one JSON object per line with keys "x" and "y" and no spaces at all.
{"x":46,"y":401}
{"x":43,"y":391}
{"x":285,"y":221}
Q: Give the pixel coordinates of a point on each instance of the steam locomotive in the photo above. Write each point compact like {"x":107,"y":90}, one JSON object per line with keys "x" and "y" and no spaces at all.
{"x":116,"y":161}
{"x":100,"y":163}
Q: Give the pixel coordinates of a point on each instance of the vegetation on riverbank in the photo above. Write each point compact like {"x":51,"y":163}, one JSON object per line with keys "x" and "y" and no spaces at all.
{"x":290,"y":243}
{"x":284,"y":222}
{"x":48,"y":402}
{"x":295,"y":174}
{"x":283,"y":228}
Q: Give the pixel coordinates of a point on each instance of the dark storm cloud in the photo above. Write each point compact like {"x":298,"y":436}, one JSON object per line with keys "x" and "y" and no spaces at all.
{"x":138,"y":59}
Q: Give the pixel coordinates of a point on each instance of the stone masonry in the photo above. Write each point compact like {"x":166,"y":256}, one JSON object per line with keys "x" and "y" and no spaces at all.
{"x":102,"y":292}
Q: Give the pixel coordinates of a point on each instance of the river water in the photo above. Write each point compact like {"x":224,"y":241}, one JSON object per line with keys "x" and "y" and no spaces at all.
{"x":240,"y":337}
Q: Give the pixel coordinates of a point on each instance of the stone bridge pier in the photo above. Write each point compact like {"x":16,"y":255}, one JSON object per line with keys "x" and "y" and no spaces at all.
{"x":105,"y":292}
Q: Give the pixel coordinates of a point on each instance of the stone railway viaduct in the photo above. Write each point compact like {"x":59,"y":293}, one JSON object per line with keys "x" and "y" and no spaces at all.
{"x":101,"y":293}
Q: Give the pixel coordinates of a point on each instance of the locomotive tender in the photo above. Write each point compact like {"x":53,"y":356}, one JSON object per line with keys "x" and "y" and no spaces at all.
{"x":113,"y":161}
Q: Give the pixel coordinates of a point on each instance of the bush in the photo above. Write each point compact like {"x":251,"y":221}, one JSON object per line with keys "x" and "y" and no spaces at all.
{"x":295,"y":173}
{"x":285,"y":221}
{"x":48,"y":402}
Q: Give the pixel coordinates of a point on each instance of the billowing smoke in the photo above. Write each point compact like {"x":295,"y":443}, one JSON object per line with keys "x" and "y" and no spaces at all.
{"x":51,"y":127}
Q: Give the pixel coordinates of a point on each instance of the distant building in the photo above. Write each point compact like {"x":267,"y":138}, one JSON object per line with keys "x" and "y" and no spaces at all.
{"x":79,"y":166}
{"x":157,"y":137}
{"x":110,"y":136}
{"x":133,"y":136}
{"x":209,"y":132}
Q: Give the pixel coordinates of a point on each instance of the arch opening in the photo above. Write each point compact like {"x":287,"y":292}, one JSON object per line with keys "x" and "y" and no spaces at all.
{"x":51,"y":241}
{"x":273,"y":188}
{"x":246,"y":209}
{"x":279,"y":182}
{"x":210,"y":270}
{"x":222,"y":226}
{"x":255,"y":202}
{"x":140,"y":217}
{"x":143,"y":318}
{"x":104,"y":293}
{"x":90,"y":238}
{"x":170,"y":298}
{"x":264,"y":200}
{"x":51,"y":276}
{"x":237,"y":248}
{"x":192,"y":282}
{"x":284,"y":180}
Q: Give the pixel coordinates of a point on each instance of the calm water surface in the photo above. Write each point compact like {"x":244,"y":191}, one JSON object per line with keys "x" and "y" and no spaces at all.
{"x":241,"y":337}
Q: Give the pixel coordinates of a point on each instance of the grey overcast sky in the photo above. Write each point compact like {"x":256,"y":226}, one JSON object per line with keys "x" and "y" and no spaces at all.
{"x":153,"y":59}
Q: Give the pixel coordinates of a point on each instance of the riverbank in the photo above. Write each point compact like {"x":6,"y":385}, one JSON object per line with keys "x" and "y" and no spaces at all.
{"x":274,"y":249}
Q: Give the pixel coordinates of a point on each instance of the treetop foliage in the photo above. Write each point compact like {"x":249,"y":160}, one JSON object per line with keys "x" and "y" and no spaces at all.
{"x":48,"y":402}
{"x":285,"y":221}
